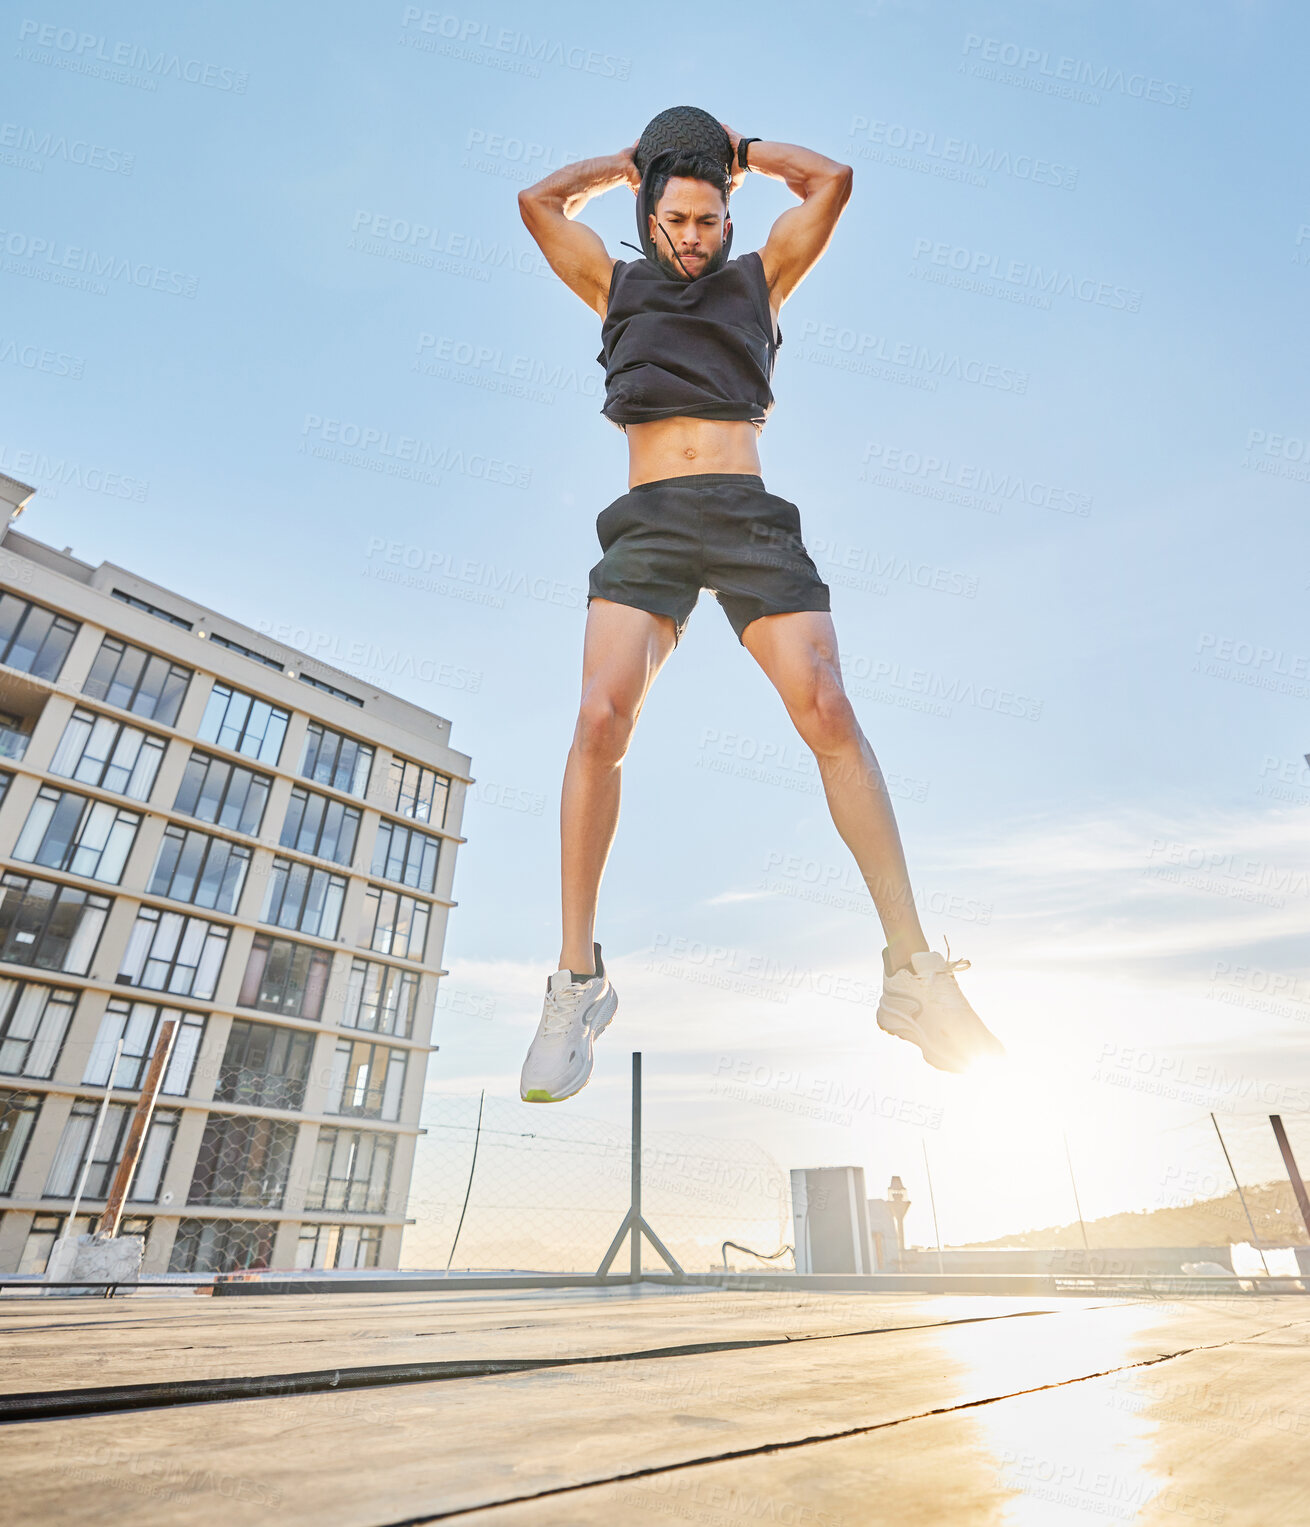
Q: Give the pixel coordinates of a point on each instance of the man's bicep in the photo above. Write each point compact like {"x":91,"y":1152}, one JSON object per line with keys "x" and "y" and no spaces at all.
{"x":800,"y":235}
{"x":575,"y":252}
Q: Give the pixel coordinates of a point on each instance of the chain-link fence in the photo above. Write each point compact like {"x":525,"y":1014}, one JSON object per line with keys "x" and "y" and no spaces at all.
{"x":503,"y":1185}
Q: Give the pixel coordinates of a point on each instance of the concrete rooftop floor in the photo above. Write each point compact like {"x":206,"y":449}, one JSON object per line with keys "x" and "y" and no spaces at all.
{"x":650,"y":1404}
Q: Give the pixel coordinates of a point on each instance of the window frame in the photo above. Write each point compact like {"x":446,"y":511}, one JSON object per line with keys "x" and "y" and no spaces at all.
{"x":317,"y":734}
{"x":184,"y":928}
{"x":256,"y":781}
{"x":137,"y":1021}
{"x":58,"y":622}
{"x":284,"y":876}
{"x":37,"y":835}
{"x":41,"y":1039}
{"x":320,"y":1197}
{"x":238,"y":853}
{"x":350,"y":817}
{"x":210,"y":720}
{"x":165,"y":714}
{"x":254,"y":980}
{"x":149,"y":746}
{"x":18,"y":937}
{"x":375,"y":904}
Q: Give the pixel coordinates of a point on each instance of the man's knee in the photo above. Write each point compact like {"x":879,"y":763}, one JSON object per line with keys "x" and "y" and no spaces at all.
{"x":826,"y":718}
{"x":604,"y":729}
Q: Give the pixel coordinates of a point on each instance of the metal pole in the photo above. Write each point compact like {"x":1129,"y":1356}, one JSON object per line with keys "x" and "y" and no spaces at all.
{"x":1073,"y":1183}
{"x":136,"y":1135}
{"x":634,"y":1265}
{"x":1289,"y":1161}
{"x":94,"y":1141}
{"x":933,"y":1203}
{"x":634,"y":1222}
{"x":1254,"y":1237}
{"x":477,"y":1135}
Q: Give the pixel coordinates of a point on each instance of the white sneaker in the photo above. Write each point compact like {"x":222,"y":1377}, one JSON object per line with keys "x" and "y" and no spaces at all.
{"x":923,"y":1004}
{"x":576,"y":1010}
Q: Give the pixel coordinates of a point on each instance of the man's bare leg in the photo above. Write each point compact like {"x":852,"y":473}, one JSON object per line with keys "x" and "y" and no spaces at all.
{"x":623,"y":649}
{"x":798,"y":652}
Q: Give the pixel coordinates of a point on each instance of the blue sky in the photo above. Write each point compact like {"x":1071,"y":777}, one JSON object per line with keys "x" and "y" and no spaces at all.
{"x":1042,"y":407}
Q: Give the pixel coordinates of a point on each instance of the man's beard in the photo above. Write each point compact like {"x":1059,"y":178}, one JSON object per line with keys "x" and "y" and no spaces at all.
{"x":671,"y":266}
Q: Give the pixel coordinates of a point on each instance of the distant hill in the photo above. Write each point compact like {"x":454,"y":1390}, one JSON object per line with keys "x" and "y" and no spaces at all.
{"x":1206,"y":1222}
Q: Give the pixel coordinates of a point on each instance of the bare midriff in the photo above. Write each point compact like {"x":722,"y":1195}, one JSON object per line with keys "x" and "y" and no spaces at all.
{"x":681,"y":446}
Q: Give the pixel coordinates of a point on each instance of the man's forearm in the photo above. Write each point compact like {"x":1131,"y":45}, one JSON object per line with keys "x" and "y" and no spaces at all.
{"x":572,"y":186}
{"x":801,"y":168}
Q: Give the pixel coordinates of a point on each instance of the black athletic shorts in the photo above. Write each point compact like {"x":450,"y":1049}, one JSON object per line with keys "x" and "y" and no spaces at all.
{"x":665,"y":541}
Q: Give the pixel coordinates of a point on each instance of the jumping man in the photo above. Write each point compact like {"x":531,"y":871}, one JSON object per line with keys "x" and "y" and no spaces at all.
{"x":689,"y":340}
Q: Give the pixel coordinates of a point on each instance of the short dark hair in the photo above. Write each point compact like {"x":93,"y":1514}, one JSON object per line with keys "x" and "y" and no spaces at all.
{"x":689,"y":166}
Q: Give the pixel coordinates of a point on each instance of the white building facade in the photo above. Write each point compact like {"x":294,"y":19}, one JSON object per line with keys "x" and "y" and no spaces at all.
{"x":199,"y":823}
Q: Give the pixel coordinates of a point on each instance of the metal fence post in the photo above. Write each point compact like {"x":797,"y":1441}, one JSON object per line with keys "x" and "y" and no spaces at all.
{"x":635,"y":1247}
{"x":634,"y":1222}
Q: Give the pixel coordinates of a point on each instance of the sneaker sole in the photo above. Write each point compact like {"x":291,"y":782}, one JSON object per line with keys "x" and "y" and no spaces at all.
{"x":596,"y":1025}
{"x":899,"y":1026}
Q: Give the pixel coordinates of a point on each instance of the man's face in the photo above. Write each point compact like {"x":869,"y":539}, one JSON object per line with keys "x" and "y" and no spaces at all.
{"x":692,"y":213}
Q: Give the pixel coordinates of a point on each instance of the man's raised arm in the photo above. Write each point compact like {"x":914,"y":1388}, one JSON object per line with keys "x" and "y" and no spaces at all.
{"x":801,"y":234}
{"x":576,"y":253}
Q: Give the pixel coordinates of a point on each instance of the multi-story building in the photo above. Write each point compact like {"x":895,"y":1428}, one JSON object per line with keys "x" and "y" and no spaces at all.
{"x":199,"y":823}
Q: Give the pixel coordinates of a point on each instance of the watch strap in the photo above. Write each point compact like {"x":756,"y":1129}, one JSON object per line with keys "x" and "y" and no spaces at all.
{"x":741,"y":151}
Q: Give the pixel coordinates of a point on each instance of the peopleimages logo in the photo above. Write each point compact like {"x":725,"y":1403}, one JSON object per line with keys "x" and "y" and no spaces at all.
{"x":402,"y":455}
{"x":1078,"y":71}
{"x":461,"y":34}
{"x":857,"y":350}
{"x":45,"y":145}
{"x":47,"y":259}
{"x":1047,"y":281}
{"x":965,"y":158}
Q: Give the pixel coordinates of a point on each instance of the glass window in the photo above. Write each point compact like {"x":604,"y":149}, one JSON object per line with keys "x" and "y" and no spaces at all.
{"x":137,"y":680}
{"x":394,"y":924}
{"x":259,"y":657}
{"x":418,"y":793}
{"x":151,"y":609}
{"x":407,"y":855}
{"x":304,"y":898}
{"x":332,"y":758}
{"x":265,"y":1065}
{"x":223,"y":793}
{"x":243,"y":1162}
{"x":13,"y":739}
{"x":366,"y":1079}
{"x":352,"y":1171}
{"x":244,"y":723}
{"x":100,"y":750}
{"x":70,"y":1153}
{"x":214,"y":1246}
{"x":168,"y":951}
{"x":33,"y":1021}
{"x":318,"y":825}
{"x":33,"y":639}
{"x":339,"y":1246}
{"x":381,"y":998}
{"x":331,"y":689}
{"x":192,"y":866}
{"x":54,"y":927}
{"x":18,"y":1114}
{"x":68,"y":831}
{"x":138,"y":1023}
{"x":285,"y":977}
